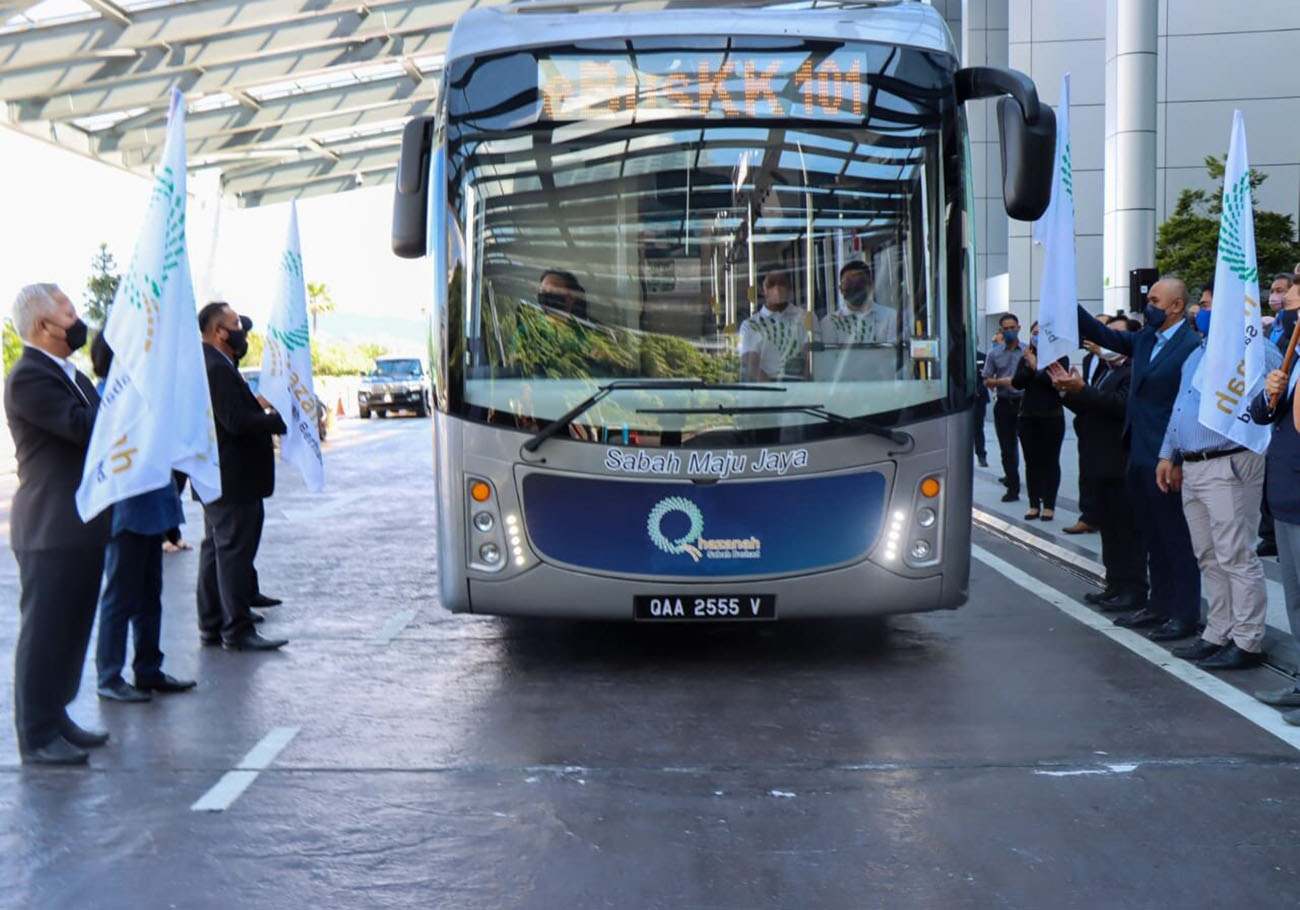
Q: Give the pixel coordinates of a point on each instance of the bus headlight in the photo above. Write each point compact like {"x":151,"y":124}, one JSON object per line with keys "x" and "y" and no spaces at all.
{"x":490,"y":553}
{"x":926,"y":518}
{"x":483,"y":521}
{"x":920,"y":550}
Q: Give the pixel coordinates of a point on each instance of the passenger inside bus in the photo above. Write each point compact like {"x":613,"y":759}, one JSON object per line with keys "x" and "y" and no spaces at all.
{"x":560,"y":290}
{"x":774,"y":336}
{"x":860,"y":319}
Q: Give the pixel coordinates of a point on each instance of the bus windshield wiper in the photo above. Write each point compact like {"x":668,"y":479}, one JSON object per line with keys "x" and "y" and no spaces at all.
{"x":563,"y":421}
{"x":816,"y":410}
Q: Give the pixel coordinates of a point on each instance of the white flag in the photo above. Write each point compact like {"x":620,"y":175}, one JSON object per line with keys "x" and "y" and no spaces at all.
{"x":1058,"y":304}
{"x":1233,"y":365}
{"x":156,"y":413}
{"x":286,"y":379}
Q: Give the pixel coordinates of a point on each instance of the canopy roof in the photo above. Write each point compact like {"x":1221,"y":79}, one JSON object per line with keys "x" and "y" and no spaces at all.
{"x":287,"y":98}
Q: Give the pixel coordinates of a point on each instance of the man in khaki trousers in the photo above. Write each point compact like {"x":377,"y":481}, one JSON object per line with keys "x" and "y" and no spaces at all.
{"x":1222,"y":483}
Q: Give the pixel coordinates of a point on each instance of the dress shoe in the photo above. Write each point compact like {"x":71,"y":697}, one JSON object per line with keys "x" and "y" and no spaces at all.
{"x":1096,"y":597}
{"x":81,"y":737}
{"x":210,"y":638}
{"x":254,"y":642}
{"x":1032,"y":515}
{"x":1144,"y":617}
{"x":121,"y":690}
{"x":1173,"y":630}
{"x":165,"y":684}
{"x":1080,"y":527}
{"x":1292,"y":717}
{"x":1198,"y":650}
{"x":1281,"y":698}
{"x":1266,"y":548}
{"x":1232,"y":657}
{"x":256,"y":617}
{"x":57,"y":751}
{"x":1009,"y":496}
{"x":261,"y":600}
{"x":983,"y":462}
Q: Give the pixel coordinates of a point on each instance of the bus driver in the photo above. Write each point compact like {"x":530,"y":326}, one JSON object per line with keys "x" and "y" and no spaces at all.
{"x":860,"y":320}
{"x":772,"y":336}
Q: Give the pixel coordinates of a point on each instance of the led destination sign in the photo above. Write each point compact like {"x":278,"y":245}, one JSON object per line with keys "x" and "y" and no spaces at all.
{"x":732,"y":85}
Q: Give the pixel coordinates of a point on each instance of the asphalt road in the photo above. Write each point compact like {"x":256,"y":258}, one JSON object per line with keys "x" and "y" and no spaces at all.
{"x":393,"y":755}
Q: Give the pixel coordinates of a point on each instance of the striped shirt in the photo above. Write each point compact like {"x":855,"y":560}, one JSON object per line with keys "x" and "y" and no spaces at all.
{"x":1185,"y":432}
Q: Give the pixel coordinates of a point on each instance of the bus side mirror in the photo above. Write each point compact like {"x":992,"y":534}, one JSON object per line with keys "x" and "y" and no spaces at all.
{"x":411,"y":199}
{"x":1027,"y":130}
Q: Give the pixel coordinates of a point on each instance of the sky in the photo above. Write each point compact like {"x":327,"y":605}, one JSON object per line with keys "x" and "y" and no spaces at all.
{"x":59,"y":206}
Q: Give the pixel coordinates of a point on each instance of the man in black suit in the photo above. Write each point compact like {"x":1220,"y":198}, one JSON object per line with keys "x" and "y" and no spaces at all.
{"x":1100,"y":406}
{"x":51,"y":410}
{"x":1157,"y":353}
{"x":232,"y":524}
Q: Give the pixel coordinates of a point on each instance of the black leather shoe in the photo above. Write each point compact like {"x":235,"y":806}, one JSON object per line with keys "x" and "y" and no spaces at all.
{"x":1292,"y":717}
{"x":209,"y":638}
{"x":57,"y":751}
{"x":1281,"y":698}
{"x":983,"y":462}
{"x":1173,"y":630}
{"x":1144,"y":617}
{"x":165,"y":684}
{"x":256,"y":617}
{"x":1266,"y":548}
{"x":261,"y":600}
{"x":1122,"y":603}
{"x":81,"y":737}
{"x":254,"y":642}
{"x":1009,"y":496}
{"x":1198,"y":650}
{"x":121,"y":690}
{"x":1096,"y":597}
{"x":1232,"y":657}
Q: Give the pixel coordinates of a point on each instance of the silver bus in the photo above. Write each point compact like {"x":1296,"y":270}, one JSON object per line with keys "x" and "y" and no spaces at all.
{"x":702,"y":331}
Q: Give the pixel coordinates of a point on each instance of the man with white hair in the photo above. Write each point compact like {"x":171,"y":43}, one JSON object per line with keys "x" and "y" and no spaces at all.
{"x":51,"y":410}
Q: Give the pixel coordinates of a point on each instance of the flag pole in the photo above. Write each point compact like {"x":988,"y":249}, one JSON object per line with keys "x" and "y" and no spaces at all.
{"x":1287,"y":361}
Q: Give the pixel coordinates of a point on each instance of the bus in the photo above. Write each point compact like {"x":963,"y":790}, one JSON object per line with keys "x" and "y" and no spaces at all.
{"x":703,"y":322}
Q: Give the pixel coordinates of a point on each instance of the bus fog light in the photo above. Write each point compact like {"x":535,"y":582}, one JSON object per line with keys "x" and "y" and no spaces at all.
{"x":490,"y":553}
{"x":926,"y":518}
{"x":483,"y":521}
{"x":920,"y":549}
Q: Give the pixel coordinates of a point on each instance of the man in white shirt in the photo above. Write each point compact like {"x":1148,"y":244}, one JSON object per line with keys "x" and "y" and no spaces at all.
{"x":774,"y":335}
{"x":860,"y":320}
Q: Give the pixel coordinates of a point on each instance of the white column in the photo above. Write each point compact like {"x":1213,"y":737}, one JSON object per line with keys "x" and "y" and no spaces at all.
{"x":1130,"y":223}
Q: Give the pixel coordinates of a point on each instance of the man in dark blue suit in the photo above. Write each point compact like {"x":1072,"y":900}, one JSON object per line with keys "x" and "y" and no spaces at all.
{"x":1157,"y":353}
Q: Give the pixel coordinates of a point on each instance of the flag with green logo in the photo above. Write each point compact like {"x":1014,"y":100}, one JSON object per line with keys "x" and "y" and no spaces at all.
{"x":156,"y":412}
{"x":286,"y":380}
{"x":1058,"y":317}
{"x":1232,"y":369}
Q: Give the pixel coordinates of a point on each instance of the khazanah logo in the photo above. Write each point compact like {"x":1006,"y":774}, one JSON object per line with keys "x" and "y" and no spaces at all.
{"x":676,"y":526}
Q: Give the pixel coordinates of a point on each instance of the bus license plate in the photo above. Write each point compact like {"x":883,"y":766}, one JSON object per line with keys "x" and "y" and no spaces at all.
{"x":713,"y":607}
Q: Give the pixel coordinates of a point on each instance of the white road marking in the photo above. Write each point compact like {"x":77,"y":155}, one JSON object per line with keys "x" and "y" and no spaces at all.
{"x":332,"y":505}
{"x":233,"y":783}
{"x":1109,"y":769}
{"x":393,"y":628}
{"x":1261,"y":715}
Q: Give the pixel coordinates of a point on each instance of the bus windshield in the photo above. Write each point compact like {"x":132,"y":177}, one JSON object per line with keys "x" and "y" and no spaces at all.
{"x":732,"y":211}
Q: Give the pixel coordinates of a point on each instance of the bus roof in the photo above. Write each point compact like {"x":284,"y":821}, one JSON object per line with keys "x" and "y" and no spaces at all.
{"x":502,"y":28}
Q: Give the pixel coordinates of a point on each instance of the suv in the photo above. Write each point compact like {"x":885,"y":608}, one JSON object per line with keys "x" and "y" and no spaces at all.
{"x":395,"y":384}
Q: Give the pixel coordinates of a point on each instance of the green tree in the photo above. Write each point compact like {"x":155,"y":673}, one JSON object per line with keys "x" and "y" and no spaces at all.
{"x":13,"y":346}
{"x":256,"y":341}
{"x":1188,"y":241}
{"x":318,"y":301}
{"x":102,"y":286}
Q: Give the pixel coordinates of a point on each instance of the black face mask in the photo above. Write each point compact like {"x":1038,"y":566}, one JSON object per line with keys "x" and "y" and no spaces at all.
{"x":238,"y":341}
{"x":552,"y":300}
{"x":75,"y":335}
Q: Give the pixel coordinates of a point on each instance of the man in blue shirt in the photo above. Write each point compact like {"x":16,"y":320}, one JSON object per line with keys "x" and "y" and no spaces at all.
{"x":1221,"y":483}
{"x":1157,"y":353}
{"x":133,"y":583}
